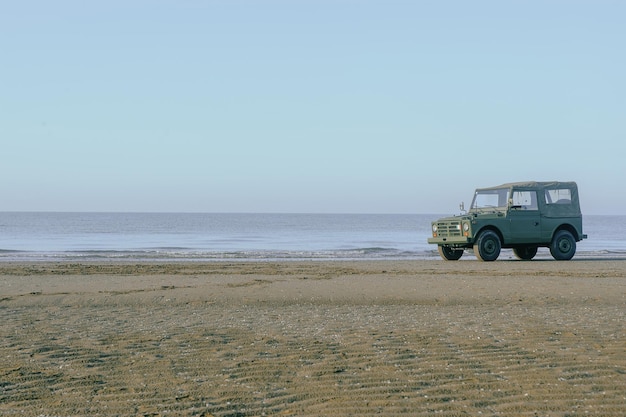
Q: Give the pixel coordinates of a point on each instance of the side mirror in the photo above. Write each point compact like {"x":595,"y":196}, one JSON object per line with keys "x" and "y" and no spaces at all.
{"x":462,"y":206}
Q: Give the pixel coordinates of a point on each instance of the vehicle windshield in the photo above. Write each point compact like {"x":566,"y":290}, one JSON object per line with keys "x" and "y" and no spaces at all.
{"x":489,"y":199}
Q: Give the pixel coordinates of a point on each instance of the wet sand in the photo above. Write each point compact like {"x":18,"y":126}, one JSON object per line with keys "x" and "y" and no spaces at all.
{"x":509,"y":338}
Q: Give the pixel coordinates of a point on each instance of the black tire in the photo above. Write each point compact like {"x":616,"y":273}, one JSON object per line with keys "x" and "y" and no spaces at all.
{"x":450,"y":254}
{"x":563,"y":246}
{"x":487,"y":247}
{"x":525,"y":253}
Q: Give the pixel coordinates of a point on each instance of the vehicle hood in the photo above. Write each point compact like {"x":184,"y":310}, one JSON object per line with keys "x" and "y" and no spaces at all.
{"x":453,"y":218}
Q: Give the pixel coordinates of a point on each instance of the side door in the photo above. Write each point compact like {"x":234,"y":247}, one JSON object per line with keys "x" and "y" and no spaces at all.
{"x":524,"y":217}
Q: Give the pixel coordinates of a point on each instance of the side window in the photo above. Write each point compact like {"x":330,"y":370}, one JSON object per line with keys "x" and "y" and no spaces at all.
{"x":526,"y":199}
{"x":559,"y":196}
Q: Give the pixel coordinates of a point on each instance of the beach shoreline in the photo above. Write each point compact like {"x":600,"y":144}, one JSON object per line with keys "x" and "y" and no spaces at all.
{"x":314,"y":338}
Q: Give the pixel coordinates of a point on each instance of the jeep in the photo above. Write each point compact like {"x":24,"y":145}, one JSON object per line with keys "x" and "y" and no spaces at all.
{"x":522,"y":216}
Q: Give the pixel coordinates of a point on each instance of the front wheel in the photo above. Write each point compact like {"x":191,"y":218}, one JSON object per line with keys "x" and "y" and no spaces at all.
{"x":563,"y":246}
{"x":487,"y":247}
{"x":450,"y":254}
{"x":525,"y":253}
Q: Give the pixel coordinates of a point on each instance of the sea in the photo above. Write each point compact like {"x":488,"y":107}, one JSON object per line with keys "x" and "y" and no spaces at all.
{"x":171,"y":237}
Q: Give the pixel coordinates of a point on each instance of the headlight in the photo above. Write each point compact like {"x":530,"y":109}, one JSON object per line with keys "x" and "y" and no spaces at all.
{"x":465,"y":227}
{"x":434,"y":228}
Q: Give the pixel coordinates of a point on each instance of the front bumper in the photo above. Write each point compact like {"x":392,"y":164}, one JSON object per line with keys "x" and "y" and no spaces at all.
{"x":450,"y":240}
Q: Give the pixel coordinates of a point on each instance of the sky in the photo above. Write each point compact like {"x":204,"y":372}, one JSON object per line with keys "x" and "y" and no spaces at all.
{"x":343,"y":106}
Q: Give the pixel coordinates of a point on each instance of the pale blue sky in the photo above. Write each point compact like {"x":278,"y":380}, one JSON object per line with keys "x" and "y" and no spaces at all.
{"x":307,"y":106}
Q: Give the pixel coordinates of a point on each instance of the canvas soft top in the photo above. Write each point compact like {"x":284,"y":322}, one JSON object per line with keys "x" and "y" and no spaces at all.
{"x":549,"y":210}
{"x":550,"y":185}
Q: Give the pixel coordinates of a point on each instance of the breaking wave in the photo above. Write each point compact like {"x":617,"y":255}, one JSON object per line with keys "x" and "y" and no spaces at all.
{"x":181,"y":254}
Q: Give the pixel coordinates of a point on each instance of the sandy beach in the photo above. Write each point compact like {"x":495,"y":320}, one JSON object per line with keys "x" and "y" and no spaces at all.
{"x":509,"y":338}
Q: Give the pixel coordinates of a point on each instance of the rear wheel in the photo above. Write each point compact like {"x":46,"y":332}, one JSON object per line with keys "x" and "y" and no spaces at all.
{"x":487,"y":247}
{"x":450,"y":254}
{"x":563,"y":246}
{"x":525,"y":253}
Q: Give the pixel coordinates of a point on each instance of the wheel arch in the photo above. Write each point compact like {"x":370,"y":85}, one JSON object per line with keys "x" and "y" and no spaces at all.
{"x":568,"y":227}
{"x":493,"y":229}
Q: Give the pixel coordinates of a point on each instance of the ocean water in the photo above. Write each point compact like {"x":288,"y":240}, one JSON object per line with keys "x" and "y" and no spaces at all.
{"x":35,"y":236}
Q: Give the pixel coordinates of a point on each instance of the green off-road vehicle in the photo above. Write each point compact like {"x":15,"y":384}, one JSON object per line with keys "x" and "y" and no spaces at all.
{"x":522,"y":216}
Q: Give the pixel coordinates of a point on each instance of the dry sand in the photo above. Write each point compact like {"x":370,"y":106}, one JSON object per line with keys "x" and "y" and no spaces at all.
{"x":509,"y":338}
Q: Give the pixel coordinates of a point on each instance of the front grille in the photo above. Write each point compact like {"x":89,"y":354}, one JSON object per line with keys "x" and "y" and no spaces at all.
{"x":449,"y":229}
